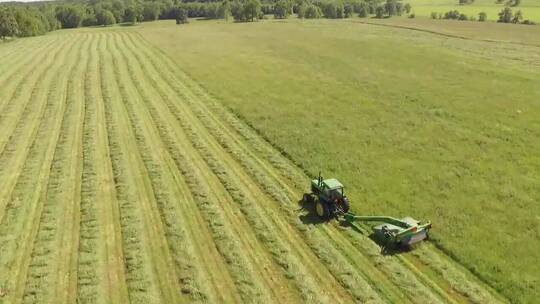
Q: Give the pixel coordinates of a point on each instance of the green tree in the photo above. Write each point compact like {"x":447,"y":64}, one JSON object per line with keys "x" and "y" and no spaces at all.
{"x":105,"y":17}
{"x":69,"y":16}
{"x":482,"y":16}
{"x":237,"y":10}
{"x":505,"y":15}
{"x":8,"y":24}
{"x":282,"y":9}
{"x":89,"y":20}
{"x":433,"y":15}
{"x":363,"y":10}
{"x":407,"y":8}
{"x":131,"y":15}
{"x":390,"y":7}
{"x":252,"y":10}
{"x":224,"y":10}
{"x":379,"y":12}
{"x":150,"y":11}
{"x":181,"y":16}
{"x":518,"y":16}
{"x":348,"y":9}
{"x":313,"y":12}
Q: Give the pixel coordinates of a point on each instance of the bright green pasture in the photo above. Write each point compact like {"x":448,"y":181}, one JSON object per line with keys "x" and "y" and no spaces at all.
{"x":413,"y":123}
{"x":530,"y":8}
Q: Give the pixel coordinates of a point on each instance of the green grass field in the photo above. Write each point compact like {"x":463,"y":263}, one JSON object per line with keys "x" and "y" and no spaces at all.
{"x":530,"y":8}
{"x":414,"y":123}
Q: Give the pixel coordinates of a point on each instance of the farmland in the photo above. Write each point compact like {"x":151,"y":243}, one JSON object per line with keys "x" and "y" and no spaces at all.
{"x":439,"y":126}
{"x":126,"y":178}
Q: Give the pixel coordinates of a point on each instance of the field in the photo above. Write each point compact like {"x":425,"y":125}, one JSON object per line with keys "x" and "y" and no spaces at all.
{"x":415,"y":123}
{"x":125,"y":179}
{"x":530,"y":8}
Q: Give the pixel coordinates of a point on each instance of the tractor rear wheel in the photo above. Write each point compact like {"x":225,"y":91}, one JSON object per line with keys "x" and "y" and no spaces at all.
{"x":322,"y":209}
{"x":307,"y":198}
{"x":345,"y":205}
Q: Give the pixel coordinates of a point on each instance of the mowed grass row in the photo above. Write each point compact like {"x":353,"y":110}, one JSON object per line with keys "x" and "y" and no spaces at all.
{"x":22,"y":216}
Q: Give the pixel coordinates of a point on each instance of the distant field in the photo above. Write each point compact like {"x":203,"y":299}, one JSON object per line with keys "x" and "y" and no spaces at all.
{"x":125,"y":181}
{"x":480,"y":31}
{"x":530,"y":8}
{"x":414,"y":123}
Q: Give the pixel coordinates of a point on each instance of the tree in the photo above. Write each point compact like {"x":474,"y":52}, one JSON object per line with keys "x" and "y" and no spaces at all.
{"x":313,"y":12}
{"x":237,"y":10}
{"x":517,"y":17}
{"x":8,"y":24}
{"x":224,"y":10}
{"x":433,"y":15}
{"x":482,"y":16}
{"x":150,"y":11}
{"x":454,"y":15}
{"x":505,"y":15}
{"x":363,"y":10}
{"x":462,"y":17}
{"x":252,"y":10}
{"x":379,"y":12}
{"x":69,"y":16}
{"x":390,"y":8}
{"x":105,"y":17}
{"x":282,"y":9}
{"x":408,"y":8}
{"x":89,"y":20}
{"x":181,"y":16}
{"x":348,"y":9}
{"x":131,"y":15}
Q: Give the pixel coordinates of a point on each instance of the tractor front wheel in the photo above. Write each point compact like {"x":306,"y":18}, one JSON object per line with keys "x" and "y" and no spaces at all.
{"x":307,"y":198}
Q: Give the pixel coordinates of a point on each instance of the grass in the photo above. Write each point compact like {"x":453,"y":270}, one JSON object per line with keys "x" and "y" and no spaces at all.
{"x":530,"y":8}
{"x":413,"y":123}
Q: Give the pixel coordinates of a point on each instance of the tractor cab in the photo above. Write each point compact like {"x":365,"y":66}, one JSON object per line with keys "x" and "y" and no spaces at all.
{"x":330,"y":188}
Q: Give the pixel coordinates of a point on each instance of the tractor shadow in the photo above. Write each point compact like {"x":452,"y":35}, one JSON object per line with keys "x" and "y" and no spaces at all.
{"x":309,"y":216}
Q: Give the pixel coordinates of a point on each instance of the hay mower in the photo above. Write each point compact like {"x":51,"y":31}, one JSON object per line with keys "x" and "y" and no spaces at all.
{"x":330,"y":201}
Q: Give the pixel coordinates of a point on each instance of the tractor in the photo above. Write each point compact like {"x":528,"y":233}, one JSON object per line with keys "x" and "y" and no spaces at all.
{"x":330,"y":202}
{"x":328,"y":196}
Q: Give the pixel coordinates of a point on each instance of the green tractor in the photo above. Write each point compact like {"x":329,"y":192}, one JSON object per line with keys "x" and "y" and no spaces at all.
{"x":329,"y":198}
{"x":330,"y":202}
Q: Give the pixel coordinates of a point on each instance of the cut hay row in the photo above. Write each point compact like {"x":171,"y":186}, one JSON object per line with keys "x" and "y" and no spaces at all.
{"x":101,"y":273}
{"x":22,"y":221}
{"x":17,"y":64}
{"x":148,"y":273}
{"x":49,"y":278}
{"x":160,"y":179}
{"x":15,"y":97}
{"x":182,"y":212}
{"x":274,"y":159}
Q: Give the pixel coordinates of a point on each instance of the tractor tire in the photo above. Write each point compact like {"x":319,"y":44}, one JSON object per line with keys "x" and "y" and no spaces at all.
{"x":321,"y":209}
{"x":307,"y":198}
{"x":345,"y":205}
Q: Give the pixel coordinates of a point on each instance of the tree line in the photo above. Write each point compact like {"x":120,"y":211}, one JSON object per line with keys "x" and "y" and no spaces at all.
{"x":31,"y":19}
{"x":506,"y":15}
